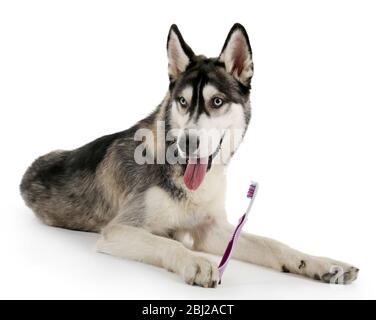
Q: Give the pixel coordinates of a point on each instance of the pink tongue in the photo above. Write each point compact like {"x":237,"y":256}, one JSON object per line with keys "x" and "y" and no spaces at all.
{"x":195,"y":173}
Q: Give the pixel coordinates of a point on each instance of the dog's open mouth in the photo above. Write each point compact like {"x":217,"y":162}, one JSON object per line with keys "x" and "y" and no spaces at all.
{"x":195,"y":172}
{"x":197,"y":168}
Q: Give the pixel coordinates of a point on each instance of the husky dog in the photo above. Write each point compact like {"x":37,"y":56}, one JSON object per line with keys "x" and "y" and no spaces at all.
{"x":143,"y":211}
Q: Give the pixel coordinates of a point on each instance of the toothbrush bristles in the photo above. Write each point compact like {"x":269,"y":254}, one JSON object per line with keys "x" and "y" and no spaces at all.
{"x":251,"y":190}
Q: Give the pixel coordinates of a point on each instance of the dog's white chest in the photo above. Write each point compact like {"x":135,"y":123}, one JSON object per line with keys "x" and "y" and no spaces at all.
{"x":199,"y":208}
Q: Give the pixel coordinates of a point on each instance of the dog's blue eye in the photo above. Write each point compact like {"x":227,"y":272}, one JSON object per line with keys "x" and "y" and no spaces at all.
{"x":217,"y":102}
{"x":182,"y":101}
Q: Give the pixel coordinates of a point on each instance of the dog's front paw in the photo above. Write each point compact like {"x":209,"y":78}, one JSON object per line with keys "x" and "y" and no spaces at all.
{"x":339,"y":275}
{"x":331,"y":271}
{"x":200,"y":271}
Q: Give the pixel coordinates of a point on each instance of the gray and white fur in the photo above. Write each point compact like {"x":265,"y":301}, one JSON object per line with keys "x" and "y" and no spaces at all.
{"x":143,"y":212}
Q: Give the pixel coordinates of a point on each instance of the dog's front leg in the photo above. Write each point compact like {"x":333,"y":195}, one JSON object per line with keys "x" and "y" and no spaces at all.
{"x":138,"y":244}
{"x":273,"y":254}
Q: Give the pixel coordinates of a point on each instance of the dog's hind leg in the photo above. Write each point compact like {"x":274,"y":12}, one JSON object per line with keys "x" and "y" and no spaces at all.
{"x":138,"y":244}
{"x":273,"y":254}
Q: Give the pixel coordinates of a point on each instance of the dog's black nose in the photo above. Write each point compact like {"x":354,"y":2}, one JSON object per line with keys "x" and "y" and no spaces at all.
{"x":188,"y":144}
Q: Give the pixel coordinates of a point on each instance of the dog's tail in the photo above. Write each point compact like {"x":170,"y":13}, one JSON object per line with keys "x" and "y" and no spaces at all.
{"x":34,"y":184}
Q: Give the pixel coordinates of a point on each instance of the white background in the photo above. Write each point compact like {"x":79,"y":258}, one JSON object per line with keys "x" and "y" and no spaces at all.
{"x":71,"y":71}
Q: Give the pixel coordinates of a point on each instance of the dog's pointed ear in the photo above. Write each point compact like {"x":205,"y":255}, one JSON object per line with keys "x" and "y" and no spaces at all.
{"x":179,"y":53}
{"x":236,"y":54}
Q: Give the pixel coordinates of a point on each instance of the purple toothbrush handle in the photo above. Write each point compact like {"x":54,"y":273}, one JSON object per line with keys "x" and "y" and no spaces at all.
{"x":230,"y":247}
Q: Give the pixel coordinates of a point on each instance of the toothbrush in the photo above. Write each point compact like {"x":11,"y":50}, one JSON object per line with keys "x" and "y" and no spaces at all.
{"x":232,"y":243}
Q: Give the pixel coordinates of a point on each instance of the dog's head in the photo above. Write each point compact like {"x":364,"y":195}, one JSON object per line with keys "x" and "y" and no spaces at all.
{"x":209,"y":101}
